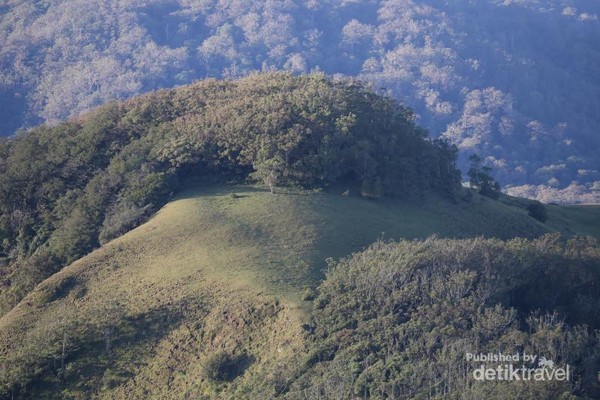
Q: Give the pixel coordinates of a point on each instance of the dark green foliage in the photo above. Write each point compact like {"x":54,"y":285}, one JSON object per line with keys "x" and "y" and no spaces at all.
{"x":396,"y":320}
{"x":480,"y":178}
{"x":372,"y":190}
{"x":222,"y":366}
{"x":26,"y":274}
{"x":512,"y":80}
{"x":309,"y":294}
{"x":538,"y":211}
{"x":67,"y":189}
{"x":120,"y":218}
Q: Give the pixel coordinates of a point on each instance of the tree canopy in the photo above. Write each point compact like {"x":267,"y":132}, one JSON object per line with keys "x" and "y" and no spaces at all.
{"x":397,"y":320}
{"x":514,"y":81}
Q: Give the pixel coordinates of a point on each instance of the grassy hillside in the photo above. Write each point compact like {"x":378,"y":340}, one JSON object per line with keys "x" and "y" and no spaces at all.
{"x":583,"y":220}
{"x":575,"y":220}
{"x":218,"y":270}
{"x":66,"y":190}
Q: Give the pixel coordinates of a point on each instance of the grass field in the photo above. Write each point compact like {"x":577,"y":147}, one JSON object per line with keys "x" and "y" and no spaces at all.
{"x":220,"y":269}
{"x":575,"y":220}
{"x":278,"y":243}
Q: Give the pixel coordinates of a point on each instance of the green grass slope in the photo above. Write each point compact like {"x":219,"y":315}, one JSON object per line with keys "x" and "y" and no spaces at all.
{"x":575,"y":220}
{"x":218,"y":270}
{"x":278,"y":243}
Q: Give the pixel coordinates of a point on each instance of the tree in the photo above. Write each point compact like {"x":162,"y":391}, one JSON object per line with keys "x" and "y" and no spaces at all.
{"x":355,"y":33}
{"x":372,"y":190}
{"x":480,"y":178}
{"x":270,"y":171}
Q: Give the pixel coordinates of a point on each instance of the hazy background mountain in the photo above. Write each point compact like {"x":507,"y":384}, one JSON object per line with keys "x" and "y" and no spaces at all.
{"x":515,"y":81}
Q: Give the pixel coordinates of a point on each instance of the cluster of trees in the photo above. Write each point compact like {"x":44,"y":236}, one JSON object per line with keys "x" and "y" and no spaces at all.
{"x":480,"y":178}
{"x":513,"y":81}
{"x":67,"y":189}
{"x":397,"y":320}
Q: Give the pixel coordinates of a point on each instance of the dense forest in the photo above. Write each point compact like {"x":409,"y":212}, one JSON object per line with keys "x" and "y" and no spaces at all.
{"x":397,"y":320}
{"x":67,"y":189}
{"x":514,"y":81}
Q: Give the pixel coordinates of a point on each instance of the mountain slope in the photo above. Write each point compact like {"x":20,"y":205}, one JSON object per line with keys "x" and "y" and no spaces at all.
{"x":579,"y":220}
{"x":66,"y":190}
{"x":514,"y":81}
{"x":218,"y":270}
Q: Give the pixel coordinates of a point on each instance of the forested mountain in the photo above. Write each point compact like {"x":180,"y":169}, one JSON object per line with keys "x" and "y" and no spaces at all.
{"x":182,"y":244}
{"x":514,"y":81}
{"x":64,"y":190}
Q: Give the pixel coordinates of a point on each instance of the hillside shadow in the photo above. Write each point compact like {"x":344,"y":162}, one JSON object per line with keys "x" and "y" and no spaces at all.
{"x":92,"y":363}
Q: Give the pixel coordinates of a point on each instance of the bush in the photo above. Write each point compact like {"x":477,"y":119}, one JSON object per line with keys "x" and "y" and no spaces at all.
{"x":538,"y":211}
{"x":309,"y":294}
{"x":121,"y":218}
{"x":373,"y":190}
{"x":221,"y":367}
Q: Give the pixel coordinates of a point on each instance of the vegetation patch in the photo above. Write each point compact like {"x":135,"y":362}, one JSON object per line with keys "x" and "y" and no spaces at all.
{"x":397,"y":320}
{"x":55,"y":290}
{"x":538,"y":211}
{"x":223,"y":366}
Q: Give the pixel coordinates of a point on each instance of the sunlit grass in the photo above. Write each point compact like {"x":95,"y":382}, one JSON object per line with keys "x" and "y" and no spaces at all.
{"x":216,"y":271}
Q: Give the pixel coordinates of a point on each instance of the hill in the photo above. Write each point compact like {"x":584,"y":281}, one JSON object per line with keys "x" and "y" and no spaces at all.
{"x":214,"y":241}
{"x":65,"y":190}
{"x":219,"y":271}
{"x":514,"y":81}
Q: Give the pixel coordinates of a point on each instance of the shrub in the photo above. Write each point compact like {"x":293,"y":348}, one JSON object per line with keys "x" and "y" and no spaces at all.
{"x":538,"y":211}
{"x":309,"y":294}
{"x":221,"y":366}
{"x":120,"y":218}
{"x":373,"y":190}
{"x":395,"y":320}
